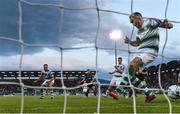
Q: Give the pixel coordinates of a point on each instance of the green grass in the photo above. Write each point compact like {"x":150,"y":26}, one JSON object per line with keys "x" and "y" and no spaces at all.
{"x":81,"y":104}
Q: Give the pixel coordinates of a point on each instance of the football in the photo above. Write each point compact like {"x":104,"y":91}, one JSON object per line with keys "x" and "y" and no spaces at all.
{"x":174,"y":91}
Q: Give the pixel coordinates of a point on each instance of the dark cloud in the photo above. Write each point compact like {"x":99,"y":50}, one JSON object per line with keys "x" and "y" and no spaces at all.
{"x":41,"y":25}
{"x":9,"y":18}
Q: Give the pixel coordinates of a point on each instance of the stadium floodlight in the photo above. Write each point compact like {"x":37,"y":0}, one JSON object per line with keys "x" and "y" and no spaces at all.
{"x":115,"y":35}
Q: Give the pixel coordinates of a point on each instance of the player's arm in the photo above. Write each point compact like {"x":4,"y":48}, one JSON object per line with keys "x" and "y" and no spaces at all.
{"x":165,"y":24}
{"x":53,"y":78}
{"x":159,"y":23}
{"x":134,"y":43}
{"x":112,"y":72}
{"x":82,"y":81}
{"x":39,"y":79}
{"x":143,"y":73}
{"x":120,"y":70}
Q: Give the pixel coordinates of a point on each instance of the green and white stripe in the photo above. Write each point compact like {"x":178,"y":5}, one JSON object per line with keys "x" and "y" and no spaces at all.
{"x":149,"y":35}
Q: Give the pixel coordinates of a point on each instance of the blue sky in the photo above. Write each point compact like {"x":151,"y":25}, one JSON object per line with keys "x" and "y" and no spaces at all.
{"x":41,"y":25}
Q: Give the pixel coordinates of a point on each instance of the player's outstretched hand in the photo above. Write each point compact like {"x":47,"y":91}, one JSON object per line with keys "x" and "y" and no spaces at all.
{"x":167,"y":24}
{"x":34,"y":82}
{"x":110,"y":73}
{"x":127,"y":40}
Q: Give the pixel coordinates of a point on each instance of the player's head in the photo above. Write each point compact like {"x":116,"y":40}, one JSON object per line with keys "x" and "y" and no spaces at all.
{"x":88,"y":71}
{"x":119,"y":60}
{"x":136,"y":19}
{"x":145,"y":70}
{"x":45,"y":66}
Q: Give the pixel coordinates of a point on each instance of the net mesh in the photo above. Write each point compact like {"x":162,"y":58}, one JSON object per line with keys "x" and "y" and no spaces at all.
{"x":61,"y":48}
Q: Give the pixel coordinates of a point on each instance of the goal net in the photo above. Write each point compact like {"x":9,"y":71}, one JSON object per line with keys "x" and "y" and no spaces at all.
{"x":69,"y":33}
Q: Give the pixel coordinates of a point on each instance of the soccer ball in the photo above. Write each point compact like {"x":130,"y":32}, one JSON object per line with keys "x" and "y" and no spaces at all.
{"x":174,"y":91}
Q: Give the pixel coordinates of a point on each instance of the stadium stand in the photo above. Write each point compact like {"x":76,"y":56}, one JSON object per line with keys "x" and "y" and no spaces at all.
{"x":169,"y":76}
{"x":71,"y":79}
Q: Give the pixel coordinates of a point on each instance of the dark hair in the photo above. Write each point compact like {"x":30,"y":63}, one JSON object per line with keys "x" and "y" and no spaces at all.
{"x":145,"y":69}
{"x":137,"y":14}
{"x":119,"y":57}
{"x":45,"y":65}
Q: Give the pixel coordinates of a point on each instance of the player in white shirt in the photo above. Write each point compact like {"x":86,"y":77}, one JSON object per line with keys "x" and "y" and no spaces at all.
{"x":117,"y":75}
{"x":48,"y":80}
{"x":147,"y":41}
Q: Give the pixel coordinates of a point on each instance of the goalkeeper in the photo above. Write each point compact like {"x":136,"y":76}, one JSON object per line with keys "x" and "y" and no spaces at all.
{"x":147,"y":41}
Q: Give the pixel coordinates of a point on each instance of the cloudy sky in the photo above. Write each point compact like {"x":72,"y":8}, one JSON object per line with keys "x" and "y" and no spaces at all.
{"x":77,"y":28}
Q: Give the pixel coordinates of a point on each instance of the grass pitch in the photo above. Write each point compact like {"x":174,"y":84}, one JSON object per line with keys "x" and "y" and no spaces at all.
{"x":81,"y":104}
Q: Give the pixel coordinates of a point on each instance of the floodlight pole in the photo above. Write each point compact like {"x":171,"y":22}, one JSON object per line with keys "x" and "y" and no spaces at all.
{"x":115,"y":35}
{"x":115,"y":53}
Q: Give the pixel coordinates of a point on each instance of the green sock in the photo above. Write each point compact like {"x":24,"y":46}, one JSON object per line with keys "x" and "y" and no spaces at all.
{"x":120,"y":90}
{"x":131,"y":71}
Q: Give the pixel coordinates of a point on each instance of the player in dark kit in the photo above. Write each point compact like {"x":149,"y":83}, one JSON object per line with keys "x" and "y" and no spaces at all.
{"x":89,"y":78}
{"x":141,"y":74}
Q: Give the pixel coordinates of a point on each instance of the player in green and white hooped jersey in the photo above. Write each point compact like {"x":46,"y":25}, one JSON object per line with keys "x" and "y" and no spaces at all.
{"x":147,"y":41}
{"x":117,"y":76}
{"x":48,"y":80}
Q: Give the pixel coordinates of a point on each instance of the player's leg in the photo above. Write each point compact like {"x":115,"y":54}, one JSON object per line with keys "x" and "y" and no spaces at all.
{"x":88,"y":90}
{"x":135,"y":64}
{"x":44,"y":84}
{"x":126,"y":90}
{"x":131,"y":92}
{"x":50,"y":84}
{"x":133,"y":67}
{"x":136,"y":82}
{"x":108,"y":90}
{"x":116,"y":82}
{"x":144,"y":82}
{"x":94,"y":90}
{"x":42,"y":94}
{"x":113,"y":81}
{"x":85,"y":89}
{"x":124,"y":81}
{"x":91,"y":88}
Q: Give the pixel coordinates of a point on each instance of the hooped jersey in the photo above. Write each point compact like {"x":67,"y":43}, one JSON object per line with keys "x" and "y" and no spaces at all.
{"x":149,"y":34}
{"x":46,"y":74}
{"x":119,"y":70}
